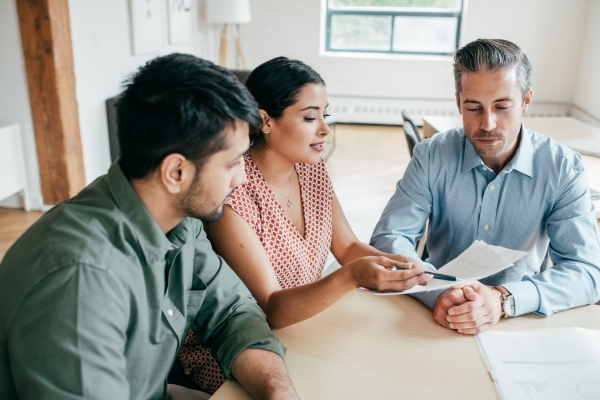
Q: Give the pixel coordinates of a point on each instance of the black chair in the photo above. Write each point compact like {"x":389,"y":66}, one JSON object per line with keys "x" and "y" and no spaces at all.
{"x":412,"y":137}
{"x":111,"y":116}
{"x":408,"y":120}
{"x":241,"y":74}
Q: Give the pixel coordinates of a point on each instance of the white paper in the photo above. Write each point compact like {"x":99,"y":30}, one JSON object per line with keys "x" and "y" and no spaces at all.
{"x":146,"y":26}
{"x":180,"y":21}
{"x":561,"y":363}
{"x":479,"y":261}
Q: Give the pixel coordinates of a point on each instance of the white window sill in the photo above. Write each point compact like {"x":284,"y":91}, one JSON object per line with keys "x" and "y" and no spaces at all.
{"x":386,"y":56}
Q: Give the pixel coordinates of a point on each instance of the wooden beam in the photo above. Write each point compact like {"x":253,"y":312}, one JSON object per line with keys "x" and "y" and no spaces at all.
{"x":46,"y":40}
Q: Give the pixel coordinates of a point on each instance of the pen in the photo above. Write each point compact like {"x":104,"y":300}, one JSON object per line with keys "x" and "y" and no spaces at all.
{"x":435,"y":275}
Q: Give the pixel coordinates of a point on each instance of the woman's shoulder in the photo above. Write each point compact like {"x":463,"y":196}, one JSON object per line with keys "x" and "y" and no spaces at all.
{"x":251,"y":191}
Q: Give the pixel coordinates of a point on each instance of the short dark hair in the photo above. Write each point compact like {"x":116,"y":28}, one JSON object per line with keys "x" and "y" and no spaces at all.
{"x":492,"y":55}
{"x":276,"y":83}
{"x":178,"y":104}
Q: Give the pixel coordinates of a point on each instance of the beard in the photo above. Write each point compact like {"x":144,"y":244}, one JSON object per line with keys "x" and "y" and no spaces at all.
{"x":490,"y":152}
{"x":196,"y":203}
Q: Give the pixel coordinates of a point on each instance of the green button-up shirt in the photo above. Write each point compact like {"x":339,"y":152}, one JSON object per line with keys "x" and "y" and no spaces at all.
{"x":95,"y":301}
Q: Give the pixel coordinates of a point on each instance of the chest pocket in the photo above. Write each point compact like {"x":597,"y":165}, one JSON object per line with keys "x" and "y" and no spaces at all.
{"x":194,"y":300}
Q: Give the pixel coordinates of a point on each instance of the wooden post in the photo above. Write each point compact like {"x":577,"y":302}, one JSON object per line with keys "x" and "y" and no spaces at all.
{"x":46,"y":40}
{"x":239,"y":46}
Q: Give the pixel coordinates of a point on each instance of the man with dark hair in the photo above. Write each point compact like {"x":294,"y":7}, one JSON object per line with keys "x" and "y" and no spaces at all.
{"x":98,"y":295}
{"x":496,"y":181}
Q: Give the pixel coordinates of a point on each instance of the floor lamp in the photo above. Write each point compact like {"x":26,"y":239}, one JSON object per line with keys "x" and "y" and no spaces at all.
{"x":229,"y":12}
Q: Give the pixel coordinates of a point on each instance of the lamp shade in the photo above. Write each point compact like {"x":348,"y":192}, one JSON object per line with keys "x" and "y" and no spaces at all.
{"x":228,"y":11}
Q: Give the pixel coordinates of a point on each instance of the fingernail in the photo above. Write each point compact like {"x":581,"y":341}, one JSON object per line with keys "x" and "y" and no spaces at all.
{"x":452,"y":326}
{"x":459,"y":331}
{"x":450,"y":312}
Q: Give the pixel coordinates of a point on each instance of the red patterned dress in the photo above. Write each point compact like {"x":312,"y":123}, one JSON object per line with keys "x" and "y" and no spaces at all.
{"x":296,"y":260}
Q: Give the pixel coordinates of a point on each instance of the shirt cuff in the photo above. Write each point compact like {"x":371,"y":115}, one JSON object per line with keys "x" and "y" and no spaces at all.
{"x":428,"y":298}
{"x":526,"y":296}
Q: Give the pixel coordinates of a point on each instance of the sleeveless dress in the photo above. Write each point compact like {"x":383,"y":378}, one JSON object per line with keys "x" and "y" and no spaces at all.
{"x":296,"y":260}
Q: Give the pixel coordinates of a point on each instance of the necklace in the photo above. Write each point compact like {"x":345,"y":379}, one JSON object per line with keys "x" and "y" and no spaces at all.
{"x":289,"y":202}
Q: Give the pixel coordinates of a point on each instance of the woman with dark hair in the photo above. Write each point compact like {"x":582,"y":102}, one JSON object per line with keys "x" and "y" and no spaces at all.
{"x":278,"y":228}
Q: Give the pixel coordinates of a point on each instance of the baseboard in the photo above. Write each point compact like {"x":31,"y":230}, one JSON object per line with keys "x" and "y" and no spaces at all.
{"x":388,"y":111}
{"x":36,"y":202}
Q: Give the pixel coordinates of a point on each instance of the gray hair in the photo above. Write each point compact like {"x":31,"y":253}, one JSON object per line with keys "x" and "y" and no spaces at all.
{"x":492,"y":55}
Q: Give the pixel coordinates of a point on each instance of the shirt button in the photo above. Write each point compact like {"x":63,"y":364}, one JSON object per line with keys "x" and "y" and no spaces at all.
{"x":484,"y":168}
{"x":492,"y":187}
{"x":171,"y":248}
{"x":170,"y":312}
{"x":486,"y":227}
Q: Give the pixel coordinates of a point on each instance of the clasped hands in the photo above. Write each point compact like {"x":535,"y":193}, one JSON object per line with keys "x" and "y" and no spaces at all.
{"x":468,"y":308}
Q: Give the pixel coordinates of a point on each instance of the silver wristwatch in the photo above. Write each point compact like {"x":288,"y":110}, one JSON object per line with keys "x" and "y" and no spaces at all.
{"x":508,"y":302}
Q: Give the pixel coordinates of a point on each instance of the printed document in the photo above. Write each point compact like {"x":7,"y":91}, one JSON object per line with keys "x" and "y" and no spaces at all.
{"x":559,"y":363}
{"x":479,"y":261}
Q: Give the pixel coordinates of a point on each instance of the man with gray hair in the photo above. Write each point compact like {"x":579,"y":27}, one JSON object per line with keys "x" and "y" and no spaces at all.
{"x":495,"y":180}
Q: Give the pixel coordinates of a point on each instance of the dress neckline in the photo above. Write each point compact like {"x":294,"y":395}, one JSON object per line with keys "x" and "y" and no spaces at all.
{"x":274,"y":199}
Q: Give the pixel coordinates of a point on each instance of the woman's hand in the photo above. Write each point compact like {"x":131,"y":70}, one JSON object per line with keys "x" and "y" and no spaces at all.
{"x":405,"y":260}
{"x":375,"y":272}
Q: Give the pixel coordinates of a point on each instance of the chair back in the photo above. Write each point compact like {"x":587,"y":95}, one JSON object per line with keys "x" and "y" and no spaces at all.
{"x":111,"y":116}
{"x":412,"y":138}
{"x":408,"y":120}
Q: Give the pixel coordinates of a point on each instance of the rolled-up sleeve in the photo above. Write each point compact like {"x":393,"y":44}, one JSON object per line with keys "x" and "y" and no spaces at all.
{"x":229,"y":320}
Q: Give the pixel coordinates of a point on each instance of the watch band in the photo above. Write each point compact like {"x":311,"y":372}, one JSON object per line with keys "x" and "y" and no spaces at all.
{"x":502,"y":290}
{"x":501,"y":299}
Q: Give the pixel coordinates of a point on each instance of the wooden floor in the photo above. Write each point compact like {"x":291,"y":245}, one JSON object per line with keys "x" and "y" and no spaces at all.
{"x":12,"y":224}
{"x":364,"y":168}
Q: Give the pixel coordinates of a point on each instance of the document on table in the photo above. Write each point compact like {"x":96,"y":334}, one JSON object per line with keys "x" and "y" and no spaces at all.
{"x":559,"y":363}
{"x":479,"y":261}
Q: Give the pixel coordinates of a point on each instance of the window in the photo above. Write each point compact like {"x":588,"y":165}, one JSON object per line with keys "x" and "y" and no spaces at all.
{"x":394,"y":26}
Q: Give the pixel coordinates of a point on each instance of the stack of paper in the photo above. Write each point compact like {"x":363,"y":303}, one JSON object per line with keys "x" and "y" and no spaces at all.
{"x":479,"y":261}
{"x":560,"y":363}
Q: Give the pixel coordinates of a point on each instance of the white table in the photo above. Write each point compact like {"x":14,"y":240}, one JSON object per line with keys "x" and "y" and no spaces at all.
{"x":561,"y":129}
{"x":389,"y":347}
{"x":13,"y":179}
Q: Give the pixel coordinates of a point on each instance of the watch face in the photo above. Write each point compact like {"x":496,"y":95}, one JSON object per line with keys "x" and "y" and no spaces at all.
{"x":509,"y":306}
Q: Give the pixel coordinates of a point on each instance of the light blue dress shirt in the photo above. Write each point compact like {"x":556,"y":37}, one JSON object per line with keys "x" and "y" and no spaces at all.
{"x":540,"y":201}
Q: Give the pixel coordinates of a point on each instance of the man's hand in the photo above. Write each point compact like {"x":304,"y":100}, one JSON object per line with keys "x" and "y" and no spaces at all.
{"x":448,"y":299}
{"x":481,"y":312}
{"x":263,"y":374}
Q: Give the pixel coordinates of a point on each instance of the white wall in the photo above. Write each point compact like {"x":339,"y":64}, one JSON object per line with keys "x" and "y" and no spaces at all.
{"x":549,"y":31}
{"x":102,"y":51}
{"x":587,"y":91}
{"x":555,"y":34}
{"x":14,"y":95}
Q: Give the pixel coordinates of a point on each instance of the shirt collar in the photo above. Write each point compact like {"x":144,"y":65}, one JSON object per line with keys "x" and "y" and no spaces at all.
{"x":522,"y":161}
{"x":153,"y":241}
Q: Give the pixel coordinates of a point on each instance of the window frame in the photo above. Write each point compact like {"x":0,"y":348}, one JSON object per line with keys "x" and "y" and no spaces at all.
{"x":459,"y":14}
